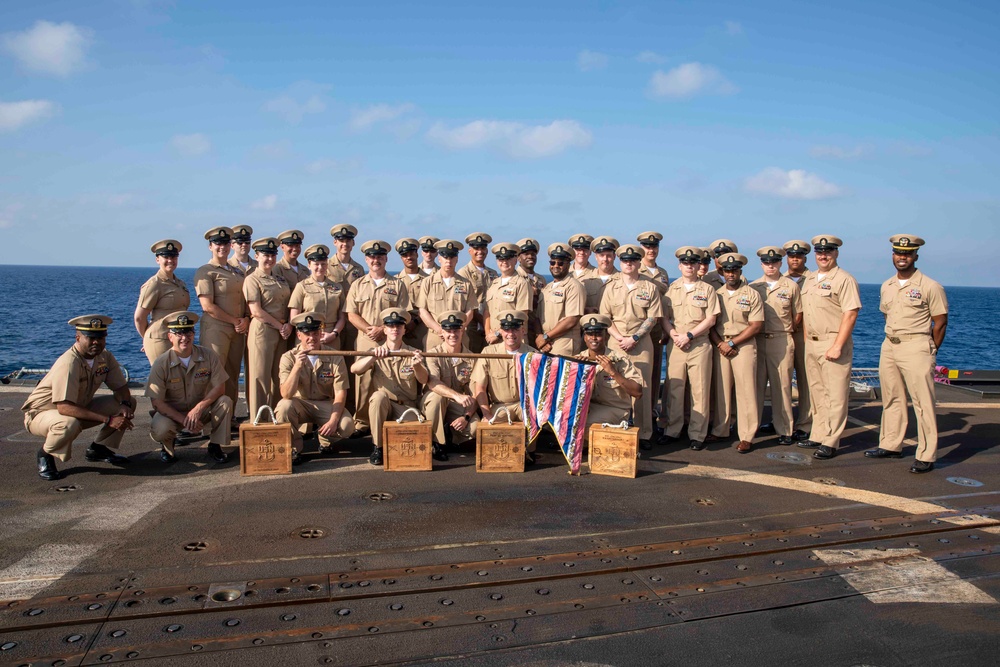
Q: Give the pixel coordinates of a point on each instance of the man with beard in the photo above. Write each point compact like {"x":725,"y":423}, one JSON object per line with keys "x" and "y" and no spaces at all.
{"x":448,"y":397}
{"x":526,"y":259}
{"x":560,"y":306}
{"x":63,"y":403}
{"x":719,"y":248}
{"x":480,"y":277}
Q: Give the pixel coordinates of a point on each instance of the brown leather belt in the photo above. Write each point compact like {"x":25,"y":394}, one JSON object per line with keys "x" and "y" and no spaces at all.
{"x":896,"y":340}
{"x":776,"y":335}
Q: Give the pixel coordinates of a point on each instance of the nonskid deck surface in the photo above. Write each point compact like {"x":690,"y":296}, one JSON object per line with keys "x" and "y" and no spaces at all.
{"x":706,"y":556}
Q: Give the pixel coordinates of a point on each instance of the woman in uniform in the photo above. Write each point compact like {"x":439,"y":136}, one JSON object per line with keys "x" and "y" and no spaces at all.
{"x":159,"y":296}
{"x":267,"y":296}
{"x":319,"y":293}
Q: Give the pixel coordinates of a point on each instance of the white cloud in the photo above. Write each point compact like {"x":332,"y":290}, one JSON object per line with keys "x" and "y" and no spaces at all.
{"x":14,"y":115}
{"x":839,"y":152}
{"x":191,"y":145}
{"x":688,"y":80}
{"x":733,"y":28}
{"x":50,"y":48}
{"x":651,"y":57}
{"x":336,"y":166}
{"x":513,"y":139}
{"x":265,"y":203}
{"x":589,"y":61}
{"x":364,"y":119}
{"x":791,"y":184}
{"x":302,"y":98}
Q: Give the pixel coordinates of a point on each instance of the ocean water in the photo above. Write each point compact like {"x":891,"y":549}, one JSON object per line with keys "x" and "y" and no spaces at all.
{"x":40,"y":299}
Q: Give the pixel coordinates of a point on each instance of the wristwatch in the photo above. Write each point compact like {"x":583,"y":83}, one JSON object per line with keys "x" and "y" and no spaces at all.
{"x":690,"y":335}
{"x":545,"y":337}
{"x":731,"y":344}
{"x":635,"y":337}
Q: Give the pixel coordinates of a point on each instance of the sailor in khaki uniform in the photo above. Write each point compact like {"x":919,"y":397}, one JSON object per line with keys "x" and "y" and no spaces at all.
{"x":692,"y":307}
{"x":447,"y":399}
{"x":313,"y":387}
{"x":187,"y":387}
{"x":480,"y":277}
{"x":916,"y":317}
{"x":267,"y":296}
{"x":719,"y":248}
{"x":509,"y":291}
{"x":159,"y":296}
{"x":618,"y":382}
{"x":581,"y":267}
{"x":367,"y":298}
{"x":633,"y":303}
{"x":225,"y":319}
{"x":560,"y":306}
{"x":650,"y":242}
{"x":830,"y":305}
{"x":796,"y":252}
{"x":706,"y":262}
{"x":319,"y":293}
{"x":782,"y":302}
{"x":412,"y":277}
{"x":343,"y":268}
{"x":241,"y":259}
{"x":62,"y":404}
{"x":395,"y":380}
{"x":527,"y":258}
{"x":494,"y":381}
{"x":289,"y":267}
{"x":603,"y":247}
{"x":734,"y":360}
{"x":446,"y":290}
{"x":428,"y":254}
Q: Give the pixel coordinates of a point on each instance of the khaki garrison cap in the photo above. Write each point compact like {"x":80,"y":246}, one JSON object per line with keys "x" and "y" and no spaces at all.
{"x":720,"y":246}
{"x":560,"y":250}
{"x":166,"y":247}
{"x":219,"y":235}
{"x":649,"y":238}
{"x":595,"y":322}
{"x":905,"y":242}
{"x":770,"y":254}
{"x":93,"y":326}
{"x":242,"y":233}
{"x":528,"y":245}
{"x":448,"y":247}
{"x":797,"y":247}
{"x":268,"y":245}
{"x":477,"y":239}
{"x":630,"y":253}
{"x":825,"y":242}
{"x":394,"y":316}
{"x":427,"y":242}
{"x":732,"y":260}
{"x":451,"y":319}
{"x":505,"y":250}
{"x":689,"y":254}
{"x":308,"y":321}
{"x":182,"y":320}
{"x":343,"y":231}
{"x":375,"y":247}
{"x":581,"y":241}
{"x":404,"y":246}
{"x":317,"y":252}
{"x":291,"y":237}
{"x":604,"y":244}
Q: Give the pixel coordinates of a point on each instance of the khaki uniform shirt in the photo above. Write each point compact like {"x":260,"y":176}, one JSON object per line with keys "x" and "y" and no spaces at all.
{"x":594,"y":287}
{"x":413,"y":287}
{"x":480,"y":280}
{"x":588,"y":272}
{"x":453,"y":372}
{"x":326,"y":298}
{"x":798,"y":281}
{"x":686,"y":309}
{"x":161,"y":296}
{"x":339,"y":274}
{"x":368,"y":300}
{"x":825,"y":301}
{"x":292,"y":277}
{"x":781,"y":304}
{"x":909,"y":309}
{"x":499,"y":375}
{"x":437,"y":298}
{"x":738,"y":310}
{"x":72,"y":379}
{"x":629,"y":308}
{"x":536,"y":280}
{"x":316,"y":383}
{"x":657,"y":274}
{"x":395,"y":376}
{"x":182,"y":387}
{"x":223,"y":285}
{"x":270,"y":291}
{"x":559,"y":300}
{"x":606,"y":390}
{"x":714,"y":278}
{"x":251,"y":265}
{"x":515,"y":295}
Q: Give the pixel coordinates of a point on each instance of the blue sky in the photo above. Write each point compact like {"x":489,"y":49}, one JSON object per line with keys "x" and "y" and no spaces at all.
{"x":126,"y":121}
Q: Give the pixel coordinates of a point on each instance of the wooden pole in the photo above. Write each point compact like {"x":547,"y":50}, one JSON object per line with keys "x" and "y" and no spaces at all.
{"x":439,"y":355}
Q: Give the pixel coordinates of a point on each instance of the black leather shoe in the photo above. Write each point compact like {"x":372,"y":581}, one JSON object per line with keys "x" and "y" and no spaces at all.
{"x":666,"y":439}
{"x":47,"y":467}
{"x":697,"y":445}
{"x":766,"y":429}
{"x":101,"y":453}
{"x":167,"y":457}
{"x":879,"y":453}
{"x":800,"y":435}
{"x":216,"y":454}
{"x":919,"y":467}
{"x":807,"y":444}
{"x":376,"y":458}
{"x":824,"y":452}
{"x":529,"y":458}
{"x":361,"y":433}
{"x":327,"y":451}
{"x":784,"y":439}
{"x":296,"y":457}
{"x":438,"y":453}
{"x":645,"y":444}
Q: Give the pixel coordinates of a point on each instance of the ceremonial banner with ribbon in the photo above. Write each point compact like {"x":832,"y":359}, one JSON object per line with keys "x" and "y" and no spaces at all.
{"x":556,"y":391}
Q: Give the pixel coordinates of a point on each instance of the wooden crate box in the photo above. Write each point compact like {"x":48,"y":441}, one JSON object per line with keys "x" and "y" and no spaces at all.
{"x":500,"y":447}
{"x":265,"y":449}
{"x":407,"y":446}
{"x":613,"y":451}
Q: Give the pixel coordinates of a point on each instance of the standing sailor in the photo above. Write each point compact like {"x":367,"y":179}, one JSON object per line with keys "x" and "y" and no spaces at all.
{"x":289,"y":266}
{"x":344,"y":268}
{"x":480,"y":277}
{"x":604,"y":248}
{"x":428,"y":254}
{"x":650,"y":242}
{"x":560,"y":306}
{"x":267,"y":296}
{"x":412,"y":277}
{"x":509,"y":291}
{"x":320,"y":294}
{"x":446,"y":290}
{"x":719,"y":248}
{"x":241,"y":259}
{"x":796,"y":252}
{"x":159,"y":296}
{"x":527,"y":258}
{"x":582,"y":268}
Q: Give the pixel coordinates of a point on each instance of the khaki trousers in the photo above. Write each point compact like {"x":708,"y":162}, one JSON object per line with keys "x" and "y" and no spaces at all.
{"x":605,"y":414}
{"x":60,"y":431}
{"x":691,"y":367}
{"x":218,"y":418}
{"x":381,"y":408}
{"x":908,"y":366}
{"x":264,"y":350}
{"x":229,"y":345}
{"x":775,"y":362}
{"x":297,"y":411}
{"x":154,"y":347}
{"x":642,"y":356}
{"x":829,"y":389}
{"x":803,"y":418}
{"x":362,"y":385}
{"x":739,"y":373}
{"x":442,"y":412}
